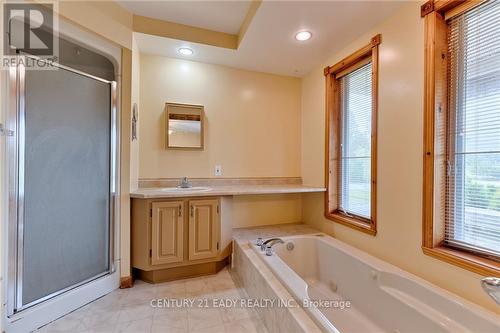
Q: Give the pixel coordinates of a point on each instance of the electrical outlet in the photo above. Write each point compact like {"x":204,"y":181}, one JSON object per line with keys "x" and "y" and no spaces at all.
{"x":218,"y":170}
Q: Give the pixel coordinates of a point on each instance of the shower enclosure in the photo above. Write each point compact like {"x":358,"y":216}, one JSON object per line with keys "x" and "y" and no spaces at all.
{"x":62,"y":177}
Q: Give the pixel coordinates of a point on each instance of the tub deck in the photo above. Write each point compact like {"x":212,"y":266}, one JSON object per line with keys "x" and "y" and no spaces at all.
{"x":243,"y":235}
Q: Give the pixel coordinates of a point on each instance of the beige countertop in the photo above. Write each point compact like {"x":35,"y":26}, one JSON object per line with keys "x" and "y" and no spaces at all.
{"x":222,"y":190}
{"x":244,"y":235}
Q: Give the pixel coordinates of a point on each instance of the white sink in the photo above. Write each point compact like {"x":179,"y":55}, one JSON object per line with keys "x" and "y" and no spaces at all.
{"x":185,"y":190}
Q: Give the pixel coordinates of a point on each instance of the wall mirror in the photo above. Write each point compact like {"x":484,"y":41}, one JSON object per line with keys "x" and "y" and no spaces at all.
{"x":184,"y":126}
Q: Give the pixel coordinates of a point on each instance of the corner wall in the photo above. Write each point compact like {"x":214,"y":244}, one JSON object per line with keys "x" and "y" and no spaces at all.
{"x":134,"y":145}
{"x":106,"y":18}
{"x":400,"y":152}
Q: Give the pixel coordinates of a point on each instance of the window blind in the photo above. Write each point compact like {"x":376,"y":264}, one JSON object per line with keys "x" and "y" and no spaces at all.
{"x":355,"y":142}
{"x":472,"y":216}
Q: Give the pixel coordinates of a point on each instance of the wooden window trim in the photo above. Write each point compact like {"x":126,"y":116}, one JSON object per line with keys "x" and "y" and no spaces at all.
{"x":453,"y":7}
{"x":434,"y":165}
{"x":332,"y":139}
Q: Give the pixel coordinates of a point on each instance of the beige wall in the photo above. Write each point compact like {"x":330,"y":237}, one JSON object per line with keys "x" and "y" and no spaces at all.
{"x":133,"y":169}
{"x":401,"y":84}
{"x":252,"y":120}
{"x":134,"y":145}
{"x":252,"y":129}
{"x":106,"y":18}
{"x":257,"y":210}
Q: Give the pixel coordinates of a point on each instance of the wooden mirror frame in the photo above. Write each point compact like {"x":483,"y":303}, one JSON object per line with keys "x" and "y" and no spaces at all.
{"x":194,"y":107}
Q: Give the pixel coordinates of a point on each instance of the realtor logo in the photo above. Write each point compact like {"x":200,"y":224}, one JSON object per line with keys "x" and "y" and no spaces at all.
{"x":29,"y":29}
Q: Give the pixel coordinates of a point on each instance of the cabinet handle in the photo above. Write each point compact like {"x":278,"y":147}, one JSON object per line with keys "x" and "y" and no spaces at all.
{"x":192,"y":211}
{"x":180,"y":210}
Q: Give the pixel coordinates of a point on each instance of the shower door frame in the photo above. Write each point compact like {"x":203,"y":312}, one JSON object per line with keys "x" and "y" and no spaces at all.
{"x":15,"y":151}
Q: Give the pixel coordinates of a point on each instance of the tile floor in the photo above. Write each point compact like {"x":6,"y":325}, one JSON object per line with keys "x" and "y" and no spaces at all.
{"x":130,"y":310}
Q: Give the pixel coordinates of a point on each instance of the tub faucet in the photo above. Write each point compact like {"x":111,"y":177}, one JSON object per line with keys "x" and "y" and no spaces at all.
{"x":185,"y":183}
{"x":263,"y":245}
{"x":491,"y":285}
{"x":269,"y":247}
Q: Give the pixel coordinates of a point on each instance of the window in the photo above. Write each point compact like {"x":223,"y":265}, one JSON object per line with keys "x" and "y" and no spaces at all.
{"x":462,"y":136}
{"x":351,"y":139}
{"x":355,"y":142}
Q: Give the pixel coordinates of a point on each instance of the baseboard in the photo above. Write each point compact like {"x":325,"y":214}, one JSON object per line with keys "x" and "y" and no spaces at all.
{"x":126,"y":282}
{"x":181,"y":272}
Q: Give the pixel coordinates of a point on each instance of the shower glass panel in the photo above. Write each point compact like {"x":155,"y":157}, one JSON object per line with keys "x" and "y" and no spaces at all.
{"x":64,"y":182}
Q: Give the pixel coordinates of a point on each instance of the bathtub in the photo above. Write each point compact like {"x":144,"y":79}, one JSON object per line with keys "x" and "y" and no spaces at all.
{"x":346,"y":290}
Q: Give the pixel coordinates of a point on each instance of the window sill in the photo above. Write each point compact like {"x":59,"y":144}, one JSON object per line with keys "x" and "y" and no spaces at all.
{"x":471,"y":262}
{"x":356,"y":223}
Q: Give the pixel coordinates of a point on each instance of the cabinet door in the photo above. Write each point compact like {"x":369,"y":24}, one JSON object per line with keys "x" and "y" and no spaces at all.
{"x":167,"y":232}
{"x":203,"y":229}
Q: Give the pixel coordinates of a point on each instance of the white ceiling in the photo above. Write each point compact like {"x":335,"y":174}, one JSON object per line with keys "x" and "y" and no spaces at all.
{"x":222,"y":16}
{"x":269,"y":44}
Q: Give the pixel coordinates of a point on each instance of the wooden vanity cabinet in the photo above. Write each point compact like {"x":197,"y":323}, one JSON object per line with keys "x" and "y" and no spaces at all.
{"x":180,"y":238}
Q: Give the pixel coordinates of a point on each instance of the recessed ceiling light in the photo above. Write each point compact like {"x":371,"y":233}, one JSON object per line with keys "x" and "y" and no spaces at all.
{"x":185,"y":51}
{"x":303,"y":35}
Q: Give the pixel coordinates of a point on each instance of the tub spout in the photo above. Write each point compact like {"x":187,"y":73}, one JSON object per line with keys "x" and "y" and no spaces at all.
{"x":269,"y":247}
{"x":491,"y":285}
{"x":270,"y":241}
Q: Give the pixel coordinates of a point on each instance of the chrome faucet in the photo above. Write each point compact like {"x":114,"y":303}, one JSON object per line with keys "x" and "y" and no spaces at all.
{"x":268,"y":245}
{"x":263,"y":244}
{"x":185,"y":183}
{"x":491,"y":285}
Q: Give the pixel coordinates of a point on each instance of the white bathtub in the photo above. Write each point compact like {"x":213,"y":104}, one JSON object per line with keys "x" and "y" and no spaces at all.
{"x":383,"y":298}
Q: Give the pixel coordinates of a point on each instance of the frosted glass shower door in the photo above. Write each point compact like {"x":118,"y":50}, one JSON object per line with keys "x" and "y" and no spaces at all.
{"x":65,"y":182}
